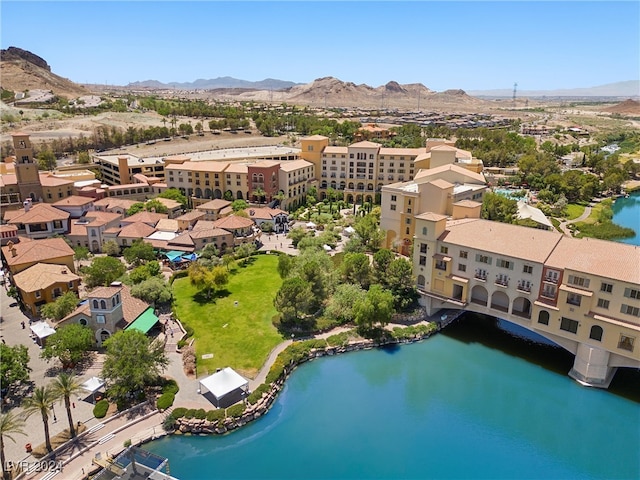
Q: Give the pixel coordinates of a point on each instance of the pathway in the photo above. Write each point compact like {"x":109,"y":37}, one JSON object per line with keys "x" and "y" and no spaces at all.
{"x":563,"y":225}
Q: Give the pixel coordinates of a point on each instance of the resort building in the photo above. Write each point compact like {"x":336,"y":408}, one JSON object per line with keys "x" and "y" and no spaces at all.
{"x":43,"y":283}
{"x":89,"y":230}
{"x":20,"y":256}
{"x":38,"y":221}
{"x":358,"y":172}
{"x":107,"y":310}
{"x":583,"y":294}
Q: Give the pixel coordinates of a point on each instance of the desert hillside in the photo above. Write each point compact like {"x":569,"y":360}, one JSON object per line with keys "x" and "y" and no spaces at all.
{"x":22,"y":70}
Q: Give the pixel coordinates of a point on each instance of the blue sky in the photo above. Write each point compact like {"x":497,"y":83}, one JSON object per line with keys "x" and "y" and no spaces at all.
{"x":474,"y":45}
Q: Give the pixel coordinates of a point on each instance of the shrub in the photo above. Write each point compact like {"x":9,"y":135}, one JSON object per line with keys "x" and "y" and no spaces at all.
{"x":170,"y":386}
{"x":180,"y":274}
{"x":257,"y":393}
{"x":190,"y":413}
{"x":235,"y":411}
{"x":169,"y":423}
{"x":275,"y":372}
{"x":165,"y":400}
{"x":181,"y":344}
{"x":188,"y":330}
{"x":339,"y":339}
{"x":100,"y":409}
{"x":215,"y":415}
{"x":200,"y":414}
{"x":178,"y":412}
{"x":127,"y":443}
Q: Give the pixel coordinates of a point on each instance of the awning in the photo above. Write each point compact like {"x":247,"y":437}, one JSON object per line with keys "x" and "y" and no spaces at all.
{"x":144,"y":322}
{"x":92,"y":385}
{"x":440,"y":256}
{"x":223,"y":382}
{"x":577,"y":291}
{"x":174,"y":255}
{"x":42,"y":329}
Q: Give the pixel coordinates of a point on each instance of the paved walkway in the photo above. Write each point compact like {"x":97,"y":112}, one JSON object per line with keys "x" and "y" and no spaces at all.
{"x":564,"y":225}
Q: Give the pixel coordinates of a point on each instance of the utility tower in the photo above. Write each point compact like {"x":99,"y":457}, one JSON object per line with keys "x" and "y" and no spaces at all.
{"x":515,"y":88}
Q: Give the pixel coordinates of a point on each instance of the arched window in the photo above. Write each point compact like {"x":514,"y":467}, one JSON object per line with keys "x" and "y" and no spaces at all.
{"x":421,"y":280}
{"x":113,"y":302}
{"x":103,"y":304}
{"x":543,"y":317}
{"x":424,"y":231}
{"x":95,"y":304}
{"x":596,"y":333}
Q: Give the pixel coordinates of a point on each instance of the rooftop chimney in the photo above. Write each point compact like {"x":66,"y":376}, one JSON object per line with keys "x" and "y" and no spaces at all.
{"x":14,"y":253}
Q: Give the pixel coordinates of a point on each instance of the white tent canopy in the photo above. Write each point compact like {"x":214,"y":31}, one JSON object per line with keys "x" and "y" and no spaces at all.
{"x":223,"y":382}
{"x":42,"y":330}
{"x":92,"y":385}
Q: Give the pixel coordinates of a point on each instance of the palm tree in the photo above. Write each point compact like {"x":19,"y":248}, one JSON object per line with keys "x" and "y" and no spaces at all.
{"x":65,"y":385}
{"x":9,"y":424}
{"x":41,"y":401}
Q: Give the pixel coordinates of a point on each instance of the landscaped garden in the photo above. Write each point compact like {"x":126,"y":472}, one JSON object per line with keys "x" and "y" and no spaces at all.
{"x":235,"y":326}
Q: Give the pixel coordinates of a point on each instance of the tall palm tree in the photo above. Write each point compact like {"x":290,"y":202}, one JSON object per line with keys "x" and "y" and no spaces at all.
{"x":65,"y":385}
{"x":41,"y":401}
{"x":10,"y":423}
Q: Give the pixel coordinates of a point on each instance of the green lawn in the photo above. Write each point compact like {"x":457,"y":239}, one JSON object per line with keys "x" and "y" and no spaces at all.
{"x":239,"y":336}
{"x":574,"y":211}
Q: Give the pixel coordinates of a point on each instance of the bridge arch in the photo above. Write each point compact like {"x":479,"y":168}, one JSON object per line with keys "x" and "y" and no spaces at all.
{"x":500,"y":301}
{"x":479,"y":295}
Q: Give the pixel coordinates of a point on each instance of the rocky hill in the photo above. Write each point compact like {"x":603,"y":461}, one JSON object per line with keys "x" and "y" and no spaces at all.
{"x":332,"y":92}
{"x":22,"y":70}
{"x":214,"y":83}
{"x":628,"y":107}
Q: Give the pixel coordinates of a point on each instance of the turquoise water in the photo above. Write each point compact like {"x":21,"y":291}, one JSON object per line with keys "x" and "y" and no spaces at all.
{"x":626,"y":212}
{"x":473,"y":402}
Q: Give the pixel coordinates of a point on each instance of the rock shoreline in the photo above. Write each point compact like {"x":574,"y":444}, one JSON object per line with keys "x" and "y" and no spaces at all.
{"x":195,"y":426}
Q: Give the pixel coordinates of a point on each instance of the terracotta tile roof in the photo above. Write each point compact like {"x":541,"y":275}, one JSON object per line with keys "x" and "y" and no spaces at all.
{"x":426,"y":175}
{"x":622,"y":261}
{"x":136,"y":230}
{"x":226,"y":211}
{"x":109,"y":203}
{"x":216,"y":204}
{"x":264,"y":212}
{"x":73,"y":200}
{"x":183,"y":239}
{"x":237,"y":168}
{"x":316,"y":137}
{"x":410,"y":152}
{"x":34,"y":251}
{"x":38,"y":213}
{"x":365,"y":144}
{"x":292,"y":165}
{"x":43,"y":275}
{"x":332,"y":149}
{"x":502,"y":239}
{"x":8,"y":228}
{"x":168,"y":202}
{"x":167,"y":225}
{"x":209,"y":233}
{"x":192,"y":215}
{"x":97,"y":219}
{"x":434,"y":217}
{"x":202,"y":166}
{"x":48,"y":180}
{"x":145,"y":217}
{"x":132,"y":307}
{"x":467,"y":203}
{"x":233,"y":222}
{"x":440,"y":183}
{"x":113,"y":230}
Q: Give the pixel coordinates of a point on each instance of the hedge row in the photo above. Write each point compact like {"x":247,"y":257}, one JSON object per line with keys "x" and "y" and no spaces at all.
{"x":165,"y":400}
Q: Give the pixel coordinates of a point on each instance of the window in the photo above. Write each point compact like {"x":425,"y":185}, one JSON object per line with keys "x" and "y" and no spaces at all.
{"x":626,"y":343}
{"x":549,"y":291}
{"x":407,"y":221}
{"x":574,"y":299}
{"x":629,"y":310}
{"x":83,"y":321}
{"x":423,"y":248}
{"x":393,"y":208}
{"x":602,"y":303}
{"x":421,"y":280}
{"x":100,"y":319}
{"x":441,"y":265}
{"x":631,"y":293}
{"x":504,"y":264}
{"x":444,"y":249}
{"x":579,"y":281}
{"x":393,"y":198}
{"x":424,"y":231}
{"x":543,"y":317}
{"x":527,"y":269}
{"x":606,"y":287}
{"x":462,"y":267}
{"x":568,"y":325}
{"x":483,"y":259}
{"x":95,"y":304}
{"x":464,"y":254}
{"x":481,"y":274}
{"x":596,"y":333}
{"x":103,"y":304}
{"x":38,"y":294}
{"x":423,"y":260}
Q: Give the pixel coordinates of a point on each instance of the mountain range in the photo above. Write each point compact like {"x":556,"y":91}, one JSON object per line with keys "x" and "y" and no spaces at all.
{"x":213,"y":83}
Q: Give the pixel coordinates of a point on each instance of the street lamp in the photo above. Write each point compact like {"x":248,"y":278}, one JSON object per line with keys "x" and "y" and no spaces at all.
{"x":54,"y":414}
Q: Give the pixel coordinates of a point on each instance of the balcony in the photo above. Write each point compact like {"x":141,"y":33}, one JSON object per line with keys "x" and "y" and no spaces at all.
{"x":553,"y":280}
{"x":523,"y":288}
{"x":502,"y":282}
{"x":550,"y":294}
{"x":481,"y":276}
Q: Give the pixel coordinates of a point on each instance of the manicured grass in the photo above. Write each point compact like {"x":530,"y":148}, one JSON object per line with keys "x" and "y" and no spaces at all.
{"x":242,"y":336}
{"x":574,"y":211}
